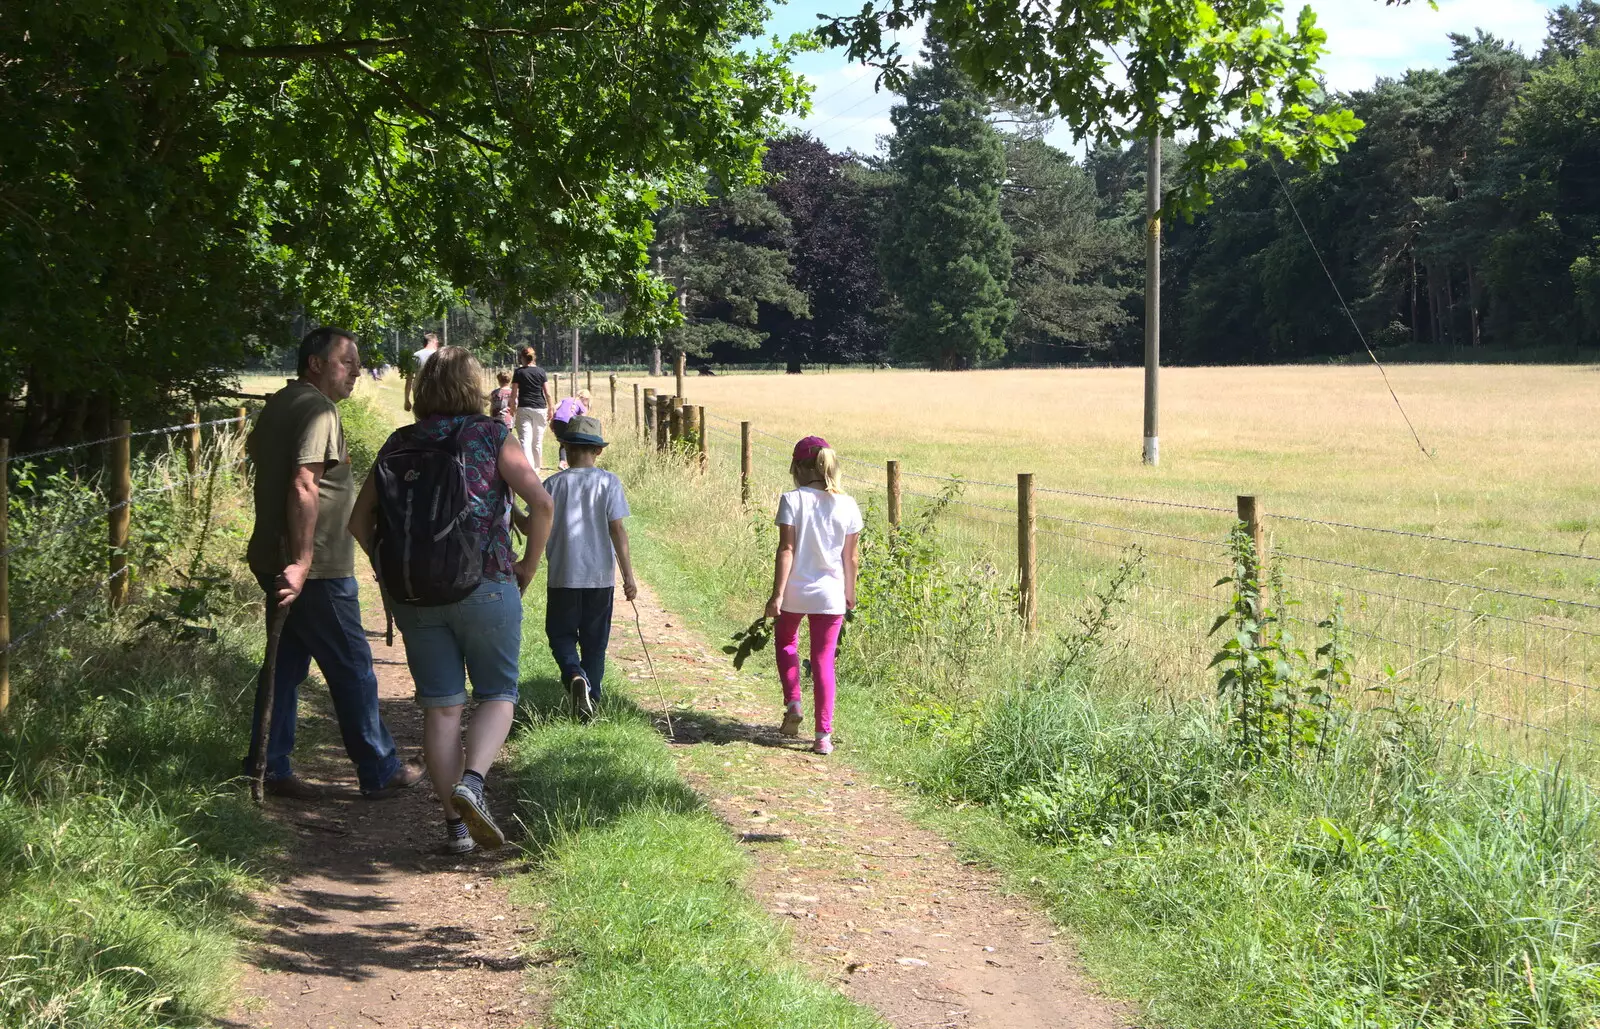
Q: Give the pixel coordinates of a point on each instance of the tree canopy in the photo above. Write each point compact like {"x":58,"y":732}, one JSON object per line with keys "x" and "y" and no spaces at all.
{"x":179,"y":175}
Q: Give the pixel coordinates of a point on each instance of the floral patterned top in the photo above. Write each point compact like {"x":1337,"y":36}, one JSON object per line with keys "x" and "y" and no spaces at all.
{"x":489,"y":505}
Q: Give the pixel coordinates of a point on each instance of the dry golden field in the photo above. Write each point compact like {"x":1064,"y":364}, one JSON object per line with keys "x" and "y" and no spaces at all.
{"x":1513,"y":459}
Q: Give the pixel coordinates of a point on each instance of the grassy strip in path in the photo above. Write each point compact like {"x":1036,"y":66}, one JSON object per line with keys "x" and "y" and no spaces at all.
{"x":638,"y":886}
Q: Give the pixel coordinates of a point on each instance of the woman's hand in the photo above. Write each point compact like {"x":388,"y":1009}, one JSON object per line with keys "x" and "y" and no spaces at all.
{"x":525,"y":571}
{"x":772,"y":606}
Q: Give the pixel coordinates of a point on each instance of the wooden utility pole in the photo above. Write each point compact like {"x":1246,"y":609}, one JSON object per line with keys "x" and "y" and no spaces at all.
{"x":120,"y":475}
{"x":744,"y":462}
{"x":1152,"y":303}
{"x":1027,"y":565}
{"x":894,"y":493}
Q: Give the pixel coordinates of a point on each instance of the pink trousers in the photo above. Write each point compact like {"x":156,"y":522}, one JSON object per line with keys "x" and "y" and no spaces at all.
{"x":824,"y":644}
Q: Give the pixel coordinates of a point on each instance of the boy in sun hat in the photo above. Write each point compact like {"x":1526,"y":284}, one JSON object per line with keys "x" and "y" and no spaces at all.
{"x":587,"y":544}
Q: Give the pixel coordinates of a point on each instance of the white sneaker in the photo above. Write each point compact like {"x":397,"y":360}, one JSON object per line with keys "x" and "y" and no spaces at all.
{"x":460,"y":844}
{"x":582,"y":703}
{"x":824,"y":744}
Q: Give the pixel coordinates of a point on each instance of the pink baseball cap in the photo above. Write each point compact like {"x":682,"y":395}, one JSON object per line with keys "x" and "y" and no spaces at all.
{"x":807,"y":448}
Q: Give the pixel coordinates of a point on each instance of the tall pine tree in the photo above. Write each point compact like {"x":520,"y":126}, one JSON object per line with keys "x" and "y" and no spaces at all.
{"x":946,"y":252}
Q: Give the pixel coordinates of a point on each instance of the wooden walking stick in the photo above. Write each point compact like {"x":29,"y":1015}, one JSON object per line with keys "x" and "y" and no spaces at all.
{"x":266,"y":686}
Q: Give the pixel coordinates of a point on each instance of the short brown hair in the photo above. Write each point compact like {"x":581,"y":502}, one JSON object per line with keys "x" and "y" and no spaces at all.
{"x":527,"y":355}
{"x":504,"y":378}
{"x":450,"y":384}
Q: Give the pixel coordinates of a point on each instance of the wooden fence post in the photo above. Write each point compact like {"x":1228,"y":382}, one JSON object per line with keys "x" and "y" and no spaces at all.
{"x":613,"y":396}
{"x":744,"y":462}
{"x":700,"y":436}
{"x":894,"y":493}
{"x":663,"y":415}
{"x":649,"y":413}
{"x":675,"y":431}
{"x":1252,"y":514}
{"x":120,"y":474}
{"x":588,"y":380}
{"x":679,"y":370}
{"x":243,"y":416}
{"x":5,"y":576}
{"x":191,"y":456}
{"x":1027,"y":566}
{"x":636,"y":407}
{"x":555,"y":382}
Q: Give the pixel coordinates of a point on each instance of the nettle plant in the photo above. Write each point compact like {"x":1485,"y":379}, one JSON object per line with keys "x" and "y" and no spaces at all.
{"x":1281,"y":701}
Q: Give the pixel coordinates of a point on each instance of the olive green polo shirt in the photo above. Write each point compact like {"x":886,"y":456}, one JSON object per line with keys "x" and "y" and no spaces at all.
{"x":300,"y":426}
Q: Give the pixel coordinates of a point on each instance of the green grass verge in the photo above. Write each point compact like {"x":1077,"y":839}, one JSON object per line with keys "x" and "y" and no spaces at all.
{"x":638,"y":886}
{"x":1400,"y":881}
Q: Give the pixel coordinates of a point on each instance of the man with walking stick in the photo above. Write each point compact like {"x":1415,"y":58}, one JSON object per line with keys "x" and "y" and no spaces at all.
{"x":304,"y":558}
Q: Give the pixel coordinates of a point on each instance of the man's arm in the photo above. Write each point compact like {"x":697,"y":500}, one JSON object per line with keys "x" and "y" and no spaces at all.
{"x":619,"y":541}
{"x":301,"y":527}
{"x":408,"y":393}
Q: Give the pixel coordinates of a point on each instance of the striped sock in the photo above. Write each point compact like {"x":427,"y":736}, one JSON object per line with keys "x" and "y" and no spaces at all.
{"x":456,"y":828}
{"x":473,"y":781}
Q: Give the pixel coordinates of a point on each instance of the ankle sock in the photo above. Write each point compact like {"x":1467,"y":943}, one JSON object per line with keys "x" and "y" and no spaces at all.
{"x":792,"y":708}
{"x":473,"y":781}
{"x":455,"y":828}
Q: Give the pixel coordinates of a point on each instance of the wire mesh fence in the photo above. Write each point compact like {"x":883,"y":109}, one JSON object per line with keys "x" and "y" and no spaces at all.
{"x":1502,"y":637}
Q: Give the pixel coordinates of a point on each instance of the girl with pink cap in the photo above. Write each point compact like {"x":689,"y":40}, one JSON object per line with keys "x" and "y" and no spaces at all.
{"x":814,"y":579}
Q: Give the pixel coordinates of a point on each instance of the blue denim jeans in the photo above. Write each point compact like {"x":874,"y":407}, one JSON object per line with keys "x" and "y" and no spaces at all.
{"x":578,"y":622}
{"x":478,"y":637}
{"x":324,"y":623}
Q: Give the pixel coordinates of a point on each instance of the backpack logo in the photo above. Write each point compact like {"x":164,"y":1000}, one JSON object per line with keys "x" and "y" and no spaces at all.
{"x":413,"y":475}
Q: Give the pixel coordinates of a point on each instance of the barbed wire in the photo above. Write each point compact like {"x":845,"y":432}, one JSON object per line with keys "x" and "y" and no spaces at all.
{"x":82,"y":598}
{"x":1346,"y":587}
{"x":34,"y":454}
{"x":1141,"y":532}
{"x":1441,"y":582}
{"x":1202,"y":562}
{"x":1440,"y":539}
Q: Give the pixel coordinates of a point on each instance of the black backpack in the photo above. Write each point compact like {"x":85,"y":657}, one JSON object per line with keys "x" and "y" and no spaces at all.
{"x":425,"y":555}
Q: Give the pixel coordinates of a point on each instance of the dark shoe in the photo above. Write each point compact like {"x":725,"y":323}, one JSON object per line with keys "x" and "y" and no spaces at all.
{"x":582,"y":703}
{"x":407,"y":775}
{"x":474,"y":810}
{"x":292,"y":787}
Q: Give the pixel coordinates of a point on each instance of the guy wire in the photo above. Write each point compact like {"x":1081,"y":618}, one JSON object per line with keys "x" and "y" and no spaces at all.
{"x":1336,"y":292}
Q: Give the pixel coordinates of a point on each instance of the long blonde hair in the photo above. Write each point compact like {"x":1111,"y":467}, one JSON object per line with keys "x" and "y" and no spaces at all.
{"x":823,"y":467}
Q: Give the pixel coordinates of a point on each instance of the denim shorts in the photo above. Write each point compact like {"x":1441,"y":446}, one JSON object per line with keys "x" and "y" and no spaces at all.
{"x":479,"y":637}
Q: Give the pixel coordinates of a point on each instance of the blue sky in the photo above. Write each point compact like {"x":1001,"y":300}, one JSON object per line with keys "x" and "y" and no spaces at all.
{"x":1365,"y":40}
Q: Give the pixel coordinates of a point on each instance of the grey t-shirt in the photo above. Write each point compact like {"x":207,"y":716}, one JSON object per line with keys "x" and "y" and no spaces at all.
{"x":579,"y":554}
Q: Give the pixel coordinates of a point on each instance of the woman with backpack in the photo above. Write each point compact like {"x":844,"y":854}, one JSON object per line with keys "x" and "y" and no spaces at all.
{"x":434,"y":517}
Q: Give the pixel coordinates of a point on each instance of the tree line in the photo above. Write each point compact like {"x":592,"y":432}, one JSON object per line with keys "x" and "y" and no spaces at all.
{"x":1464,"y":218}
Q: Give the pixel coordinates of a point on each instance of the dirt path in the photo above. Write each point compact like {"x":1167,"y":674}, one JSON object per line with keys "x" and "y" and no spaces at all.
{"x":883,"y":908}
{"x":378,"y":929}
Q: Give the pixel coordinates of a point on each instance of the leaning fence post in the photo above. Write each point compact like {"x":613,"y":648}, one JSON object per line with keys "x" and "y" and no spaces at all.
{"x":119,"y":517}
{"x":675,"y":422}
{"x":5,"y":576}
{"x":1027,"y":570}
{"x":191,"y":455}
{"x":894,"y":493}
{"x":744,"y":462}
{"x":663,"y":415}
{"x":700,"y":436}
{"x":1253,"y":516}
{"x":613,"y":396}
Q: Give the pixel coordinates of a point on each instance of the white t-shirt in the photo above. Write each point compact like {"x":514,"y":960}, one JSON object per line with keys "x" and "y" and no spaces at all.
{"x":422,"y":357}
{"x":822,"y":521}
{"x":579,"y":554}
